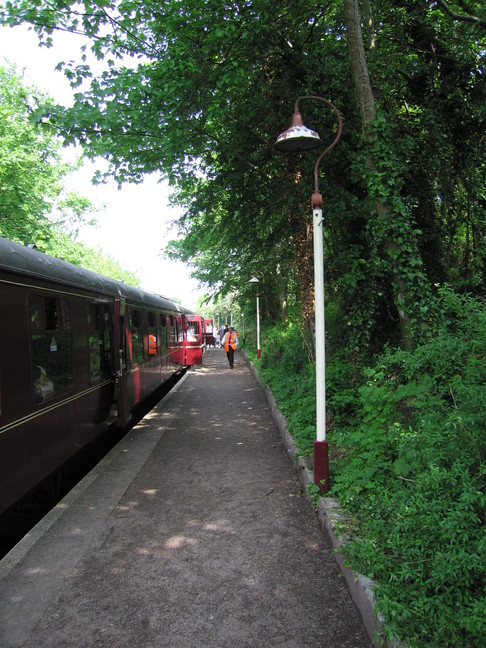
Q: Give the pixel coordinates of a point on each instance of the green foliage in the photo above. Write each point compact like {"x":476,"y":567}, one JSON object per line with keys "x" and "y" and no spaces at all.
{"x":61,"y":245}
{"x":283,"y":365}
{"x":209,"y":86}
{"x":199,"y":91}
{"x":313,"y":493}
{"x":32,"y":198}
{"x":413,"y":476}
{"x":395,"y":232}
{"x":29,"y":163}
{"x":408,"y":457}
{"x":223,"y":309}
{"x":34,"y":208}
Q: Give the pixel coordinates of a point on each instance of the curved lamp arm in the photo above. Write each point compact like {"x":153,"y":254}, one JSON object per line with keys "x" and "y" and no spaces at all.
{"x":300,"y":138}
{"x":318,"y":198}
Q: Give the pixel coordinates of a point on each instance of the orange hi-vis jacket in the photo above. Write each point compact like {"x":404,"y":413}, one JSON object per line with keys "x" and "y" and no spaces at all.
{"x":230,"y":339}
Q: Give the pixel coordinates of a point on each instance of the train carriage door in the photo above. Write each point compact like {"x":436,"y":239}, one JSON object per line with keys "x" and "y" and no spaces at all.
{"x":193,"y":339}
{"x":120,"y":362}
{"x":100,"y":339}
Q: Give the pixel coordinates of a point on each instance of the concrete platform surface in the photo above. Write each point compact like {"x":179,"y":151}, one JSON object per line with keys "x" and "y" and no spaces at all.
{"x":192,"y":532}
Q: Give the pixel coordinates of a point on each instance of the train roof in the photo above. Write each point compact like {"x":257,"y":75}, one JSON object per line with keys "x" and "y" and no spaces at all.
{"x":28,"y":261}
{"x":188,"y":312}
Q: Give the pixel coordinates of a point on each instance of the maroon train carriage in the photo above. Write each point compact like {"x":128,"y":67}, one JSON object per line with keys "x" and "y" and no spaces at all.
{"x":78,"y":351}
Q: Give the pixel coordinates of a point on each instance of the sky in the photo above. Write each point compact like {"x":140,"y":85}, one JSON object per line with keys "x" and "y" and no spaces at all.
{"x":133,"y":223}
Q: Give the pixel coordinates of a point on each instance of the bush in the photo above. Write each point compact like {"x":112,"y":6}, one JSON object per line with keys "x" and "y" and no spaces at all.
{"x":408,"y":441}
{"x":413,"y":477}
{"x":283,"y":365}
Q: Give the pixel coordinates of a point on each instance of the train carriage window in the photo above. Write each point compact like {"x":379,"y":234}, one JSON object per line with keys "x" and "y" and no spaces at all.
{"x":51,"y":344}
{"x":51,"y":313}
{"x":193,"y":332}
{"x":107,"y":343}
{"x":35,"y":312}
{"x":66,"y":319}
{"x":136,"y":336}
{"x":152,"y":334}
{"x":163,"y":333}
{"x":99,"y":342}
{"x":173,"y":332}
{"x":94,"y":358}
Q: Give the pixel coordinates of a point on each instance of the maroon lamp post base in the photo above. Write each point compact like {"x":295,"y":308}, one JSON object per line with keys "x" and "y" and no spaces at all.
{"x":321,"y":465}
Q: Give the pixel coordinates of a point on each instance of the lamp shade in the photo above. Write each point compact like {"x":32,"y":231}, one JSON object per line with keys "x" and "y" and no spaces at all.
{"x":297,"y":138}
{"x":253,"y":280}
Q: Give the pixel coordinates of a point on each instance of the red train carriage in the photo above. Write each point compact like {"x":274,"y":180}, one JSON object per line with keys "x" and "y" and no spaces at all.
{"x":208,"y":333}
{"x":78,"y":351}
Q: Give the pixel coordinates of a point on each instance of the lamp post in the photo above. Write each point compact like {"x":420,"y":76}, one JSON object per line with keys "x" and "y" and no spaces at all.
{"x":300,"y":138}
{"x":256,"y":281}
{"x":243,"y":326}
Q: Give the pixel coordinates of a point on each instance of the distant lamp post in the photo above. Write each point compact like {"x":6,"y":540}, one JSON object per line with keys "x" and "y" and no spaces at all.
{"x":256,"y":281}
{"x":243,"y":326}
{"x":300,"y":138}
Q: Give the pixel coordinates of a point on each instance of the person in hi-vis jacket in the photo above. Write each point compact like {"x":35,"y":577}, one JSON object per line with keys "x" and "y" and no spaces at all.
{"x":230,"y":341}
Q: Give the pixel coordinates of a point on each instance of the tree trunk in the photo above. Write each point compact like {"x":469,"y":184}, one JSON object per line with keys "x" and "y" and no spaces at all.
{"x":359,"y":65}
{"x":366,"y":101}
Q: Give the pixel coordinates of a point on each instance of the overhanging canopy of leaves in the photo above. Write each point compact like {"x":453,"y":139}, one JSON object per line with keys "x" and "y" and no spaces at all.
{"x":199,"y":102}
{"x":199,"y":90}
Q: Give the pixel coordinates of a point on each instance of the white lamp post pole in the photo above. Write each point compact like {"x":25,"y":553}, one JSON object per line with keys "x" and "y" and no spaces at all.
{"x":257,"y":282}
{"x":258,"y":322}
{"x":300,"y":138}
{"x":320,"y":326}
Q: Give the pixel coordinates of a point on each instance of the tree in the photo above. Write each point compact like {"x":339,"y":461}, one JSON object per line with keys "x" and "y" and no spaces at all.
{"x":30,"y":164}
{"x":199,"y":90}
{"x":394,"y":222}
{"x":63,"y":246}
{"x":34,"y":208}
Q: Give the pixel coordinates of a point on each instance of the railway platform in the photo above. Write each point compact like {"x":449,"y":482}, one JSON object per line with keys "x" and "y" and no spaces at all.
{"x":193,"y":532}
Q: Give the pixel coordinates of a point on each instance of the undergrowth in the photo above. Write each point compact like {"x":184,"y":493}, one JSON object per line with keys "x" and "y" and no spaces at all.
{"x":408,"y":448}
